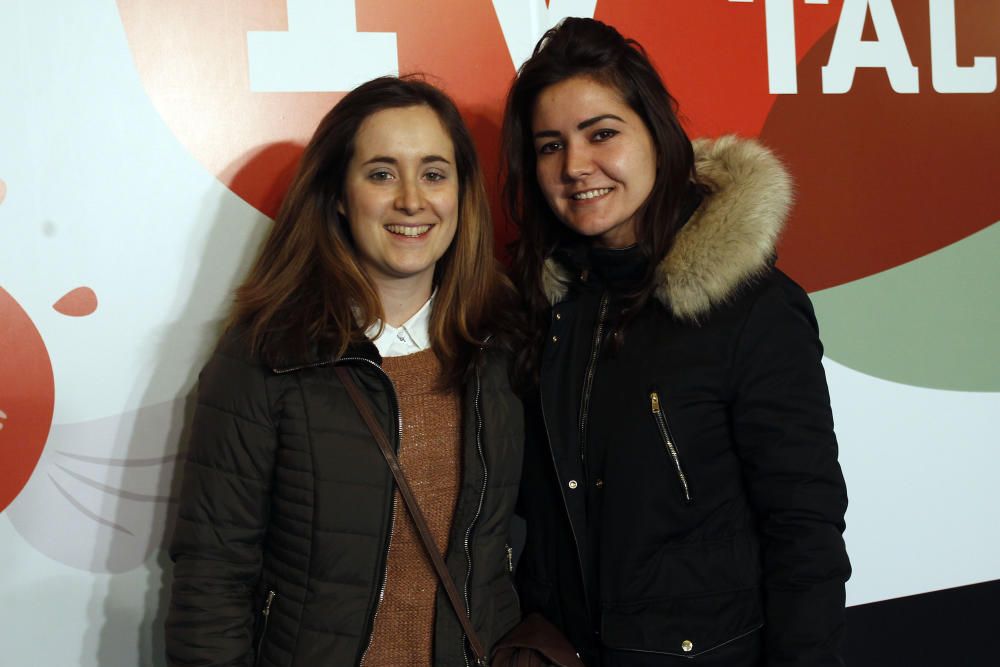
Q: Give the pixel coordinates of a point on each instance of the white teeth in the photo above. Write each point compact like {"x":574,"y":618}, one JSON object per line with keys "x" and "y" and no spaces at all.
{"x":590,"y":194}
{"x":406,"y":230}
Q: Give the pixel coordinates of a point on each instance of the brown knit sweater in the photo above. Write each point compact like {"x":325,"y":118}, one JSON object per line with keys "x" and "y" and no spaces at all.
{"x":430,"y":454}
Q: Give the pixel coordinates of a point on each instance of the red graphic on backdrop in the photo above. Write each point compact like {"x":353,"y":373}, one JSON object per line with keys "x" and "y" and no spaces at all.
{"x":886,"y":178}
{"x":27,"y":398}
{"x":77,"y":303}
{"x":192,"y":57}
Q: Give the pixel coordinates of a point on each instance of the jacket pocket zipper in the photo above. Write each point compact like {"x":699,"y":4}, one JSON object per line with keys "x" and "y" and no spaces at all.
{"x":510,"y":571}
{"x":266,"y":613}
{"x":660,"y":416}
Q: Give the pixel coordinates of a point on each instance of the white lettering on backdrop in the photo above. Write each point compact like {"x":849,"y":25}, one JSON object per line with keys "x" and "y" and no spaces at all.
{"x":523,"y":22}
{"x":321,"y":51}
{"x":322,"y":34}
{"x":888,"y":51}
{"x":947,"y":76}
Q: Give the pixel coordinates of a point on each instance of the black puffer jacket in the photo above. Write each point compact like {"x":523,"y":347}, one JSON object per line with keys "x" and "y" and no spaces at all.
{"x":689,"y":506}
{"x":286,"y":506}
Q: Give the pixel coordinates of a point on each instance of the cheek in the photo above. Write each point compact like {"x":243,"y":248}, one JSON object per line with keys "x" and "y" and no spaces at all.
{"x":548,"y":181}
{"x":353,"y":218}
{"x":361,"y":227}
{"x":647,"y":162}
{"x":366,"y":210}
{"x":445,"y":205}
{"x":452,"y":235}
{"x":637,"y":170}
{"x":624,"y":165}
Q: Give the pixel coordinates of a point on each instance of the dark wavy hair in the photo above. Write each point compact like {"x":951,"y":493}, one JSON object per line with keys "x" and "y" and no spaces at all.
{"x":307,"y":289}
{"x":588,"y":48}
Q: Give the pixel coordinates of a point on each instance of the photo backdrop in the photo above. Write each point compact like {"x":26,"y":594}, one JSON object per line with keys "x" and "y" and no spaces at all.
{"x":145,"y":145}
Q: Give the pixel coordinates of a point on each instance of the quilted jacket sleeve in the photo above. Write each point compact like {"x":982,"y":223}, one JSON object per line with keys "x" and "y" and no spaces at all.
{"x":222,"y":517}
{"x":784,"y":434}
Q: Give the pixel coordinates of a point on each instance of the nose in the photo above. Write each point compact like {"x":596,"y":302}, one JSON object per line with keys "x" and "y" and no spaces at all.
{"x":577,"y":162}
{"x":409,"y":198}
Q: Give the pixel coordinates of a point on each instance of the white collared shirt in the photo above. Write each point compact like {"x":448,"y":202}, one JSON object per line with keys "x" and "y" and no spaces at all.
{"x":411,"y":336}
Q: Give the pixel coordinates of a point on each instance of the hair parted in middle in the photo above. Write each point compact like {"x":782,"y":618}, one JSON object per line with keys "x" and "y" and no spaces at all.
{"x":580,"y":47}
{"x":307,"y":290}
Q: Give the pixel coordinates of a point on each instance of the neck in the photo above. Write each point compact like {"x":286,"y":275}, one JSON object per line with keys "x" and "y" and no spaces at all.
{"x":401,"y":299}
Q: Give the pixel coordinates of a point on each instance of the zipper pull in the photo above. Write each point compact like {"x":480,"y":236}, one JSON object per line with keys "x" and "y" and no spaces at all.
{"x":267,"y":604}
{"x":510,"y":559}
{"x":654,"y":401}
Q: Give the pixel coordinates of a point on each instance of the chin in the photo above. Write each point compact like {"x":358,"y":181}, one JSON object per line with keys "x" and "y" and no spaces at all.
{"x":411,"y":270}
{"x":592,"y":230}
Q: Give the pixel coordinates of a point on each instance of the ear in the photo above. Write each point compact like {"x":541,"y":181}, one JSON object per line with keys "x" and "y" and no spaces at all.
{"x":341,"y":210}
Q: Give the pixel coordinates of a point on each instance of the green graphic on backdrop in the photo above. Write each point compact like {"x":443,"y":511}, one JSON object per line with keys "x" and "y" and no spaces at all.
{"x":933,"y":322}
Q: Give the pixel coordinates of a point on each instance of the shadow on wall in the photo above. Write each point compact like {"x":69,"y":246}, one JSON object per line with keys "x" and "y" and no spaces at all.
{"x":217,"y":267}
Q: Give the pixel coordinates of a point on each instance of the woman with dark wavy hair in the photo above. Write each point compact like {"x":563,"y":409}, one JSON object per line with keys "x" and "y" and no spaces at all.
{"x":682,"y":492}
{"x":291,"y":546}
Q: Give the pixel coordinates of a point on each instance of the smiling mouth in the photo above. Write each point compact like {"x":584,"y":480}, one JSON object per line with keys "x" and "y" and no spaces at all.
{"x":410,"y":231}
{"x":591,"y":194}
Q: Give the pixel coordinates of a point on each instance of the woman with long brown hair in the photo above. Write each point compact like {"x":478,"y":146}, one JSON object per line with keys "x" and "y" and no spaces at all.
{"x":291,"y":546}
{"x":683,"y":498}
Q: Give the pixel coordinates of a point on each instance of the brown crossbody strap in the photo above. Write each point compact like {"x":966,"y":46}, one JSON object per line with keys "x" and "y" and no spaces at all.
{"x":365,"y":410}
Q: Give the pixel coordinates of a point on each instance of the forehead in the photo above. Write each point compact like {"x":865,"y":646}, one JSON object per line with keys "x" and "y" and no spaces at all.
{"x":401,"y":132}
{"x":577,"y":99}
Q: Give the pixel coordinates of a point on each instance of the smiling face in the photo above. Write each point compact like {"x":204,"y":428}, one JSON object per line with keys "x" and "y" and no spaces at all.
{"x":401,"y":197}
{"x":596,"y":162}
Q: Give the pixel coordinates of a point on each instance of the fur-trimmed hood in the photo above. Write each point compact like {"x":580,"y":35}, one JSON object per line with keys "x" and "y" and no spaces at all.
{"x":728,"y":241}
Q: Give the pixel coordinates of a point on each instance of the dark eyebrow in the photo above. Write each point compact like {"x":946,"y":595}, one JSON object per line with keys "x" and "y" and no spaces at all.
{"x":597,"y":119}
{"x":583,"y":125}
{"x":391,"y":160}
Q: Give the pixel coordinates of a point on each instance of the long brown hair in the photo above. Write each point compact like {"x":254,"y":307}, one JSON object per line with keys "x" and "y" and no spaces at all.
{"x":586,"y":47}
{"x":308,"y":294}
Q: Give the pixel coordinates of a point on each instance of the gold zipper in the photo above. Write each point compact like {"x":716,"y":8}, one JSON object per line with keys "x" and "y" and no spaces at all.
{"x":661,"y":423}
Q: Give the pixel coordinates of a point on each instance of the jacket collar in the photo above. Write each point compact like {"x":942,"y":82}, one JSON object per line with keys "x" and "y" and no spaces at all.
{"x":317,"y":357}
{"x":727,"y":242}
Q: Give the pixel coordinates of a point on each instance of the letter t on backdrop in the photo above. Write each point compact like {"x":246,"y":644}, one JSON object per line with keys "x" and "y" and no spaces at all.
{"x":321,"y":33}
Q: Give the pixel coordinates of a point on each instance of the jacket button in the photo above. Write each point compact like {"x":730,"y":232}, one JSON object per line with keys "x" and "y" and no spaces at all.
{"x":555,"y":339}
{"x":572,"y":484}
{"x":558,"y":316}
{"x":599,"y":483}
{"x":687,"y":645}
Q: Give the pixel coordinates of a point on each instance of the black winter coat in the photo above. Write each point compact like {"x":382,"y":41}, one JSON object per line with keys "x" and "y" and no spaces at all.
{"x":287,"y":504}
{"x":688,"y":506}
